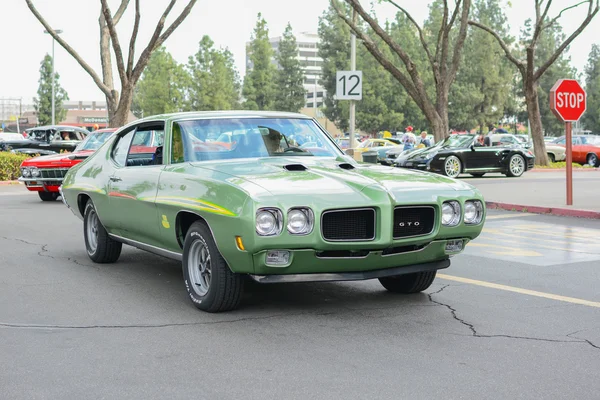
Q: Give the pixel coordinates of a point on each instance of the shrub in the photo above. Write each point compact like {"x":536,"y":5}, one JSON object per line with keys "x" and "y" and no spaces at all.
{"x":563,"y":164}
{"x":9,"y":165}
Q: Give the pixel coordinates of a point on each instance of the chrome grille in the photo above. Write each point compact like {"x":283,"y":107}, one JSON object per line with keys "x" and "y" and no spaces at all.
{"x":53,"y":173}
{"x":413,"y":221}
{"x":348,"y":225}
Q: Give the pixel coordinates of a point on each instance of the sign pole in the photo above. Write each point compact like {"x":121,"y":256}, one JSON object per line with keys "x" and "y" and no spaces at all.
{"x":569,"y":143}
{"x":352,"y":68}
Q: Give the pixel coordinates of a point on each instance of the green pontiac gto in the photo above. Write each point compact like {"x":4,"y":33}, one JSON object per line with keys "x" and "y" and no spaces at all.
{"x":267,"y":195}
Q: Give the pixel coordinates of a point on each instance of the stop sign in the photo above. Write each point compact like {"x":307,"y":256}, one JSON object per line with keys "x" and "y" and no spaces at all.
{"x":567,"y":100}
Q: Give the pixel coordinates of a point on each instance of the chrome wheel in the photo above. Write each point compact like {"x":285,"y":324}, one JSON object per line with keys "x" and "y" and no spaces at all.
{"x":200,"y":267}
{"x":452,"y":167}
{"x":92,"y":231}
{"x":593,"y":160}
{"x":517,"y":165}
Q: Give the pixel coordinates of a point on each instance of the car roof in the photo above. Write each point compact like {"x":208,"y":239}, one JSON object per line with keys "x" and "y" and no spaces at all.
{"x":223,"y":114}
{"x":59,"y":127}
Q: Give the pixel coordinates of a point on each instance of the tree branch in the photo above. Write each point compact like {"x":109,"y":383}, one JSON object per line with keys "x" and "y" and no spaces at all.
{"x":592,"y":11}
{"x":157,"y":39}
{"x":105,"y":89}
{"x":518,"y":63}
{"x":421,"y":35}
{"x":553,"y":20}
{"x":458,"y":46}
{"x":438,"y":47}
{"x":374,"y":50}
{"x":539,"y":20}
{"x":115,"y":41}
{"x":136,"y":26}
{"x":120,"y":11}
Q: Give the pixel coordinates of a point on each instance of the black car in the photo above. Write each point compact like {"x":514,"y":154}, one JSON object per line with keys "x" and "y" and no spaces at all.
{"x":462,"y":154}
{"x":46,"y":140}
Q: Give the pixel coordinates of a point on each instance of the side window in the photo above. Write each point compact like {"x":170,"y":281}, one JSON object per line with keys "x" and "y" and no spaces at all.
{"x":177,"y":153}
{"x":121,"y":147}
{"x":146,"y":146}
{"x":561,"y":141}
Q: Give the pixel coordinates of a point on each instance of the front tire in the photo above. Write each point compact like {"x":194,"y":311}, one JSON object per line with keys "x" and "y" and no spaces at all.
{"x":100,"y":247}
{"x":48,"y":196}
{"x":516,"y":166}
{"x":452,"y":167}
{"x":409,"y":283}
{"x":592,"y":159}
{"x":209,"y":282}
{"x":551,"y":157}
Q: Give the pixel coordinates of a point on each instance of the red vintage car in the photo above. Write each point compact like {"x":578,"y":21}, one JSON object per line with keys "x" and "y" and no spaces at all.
{"x":586,"y":149}
{"x":45,"y":174}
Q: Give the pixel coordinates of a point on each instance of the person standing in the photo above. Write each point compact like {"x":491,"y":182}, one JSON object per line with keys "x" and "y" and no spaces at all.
{"x":408,"y":139}
{"x":424,"y":141}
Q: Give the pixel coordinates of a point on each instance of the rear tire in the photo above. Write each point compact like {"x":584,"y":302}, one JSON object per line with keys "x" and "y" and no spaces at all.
{"x":551,"y":158}
{"x":409,"y":283}
{"x":100,"y":247}
{"x":211,"y":285}
{"x":48,"y":196}
{"x":592,"y":160}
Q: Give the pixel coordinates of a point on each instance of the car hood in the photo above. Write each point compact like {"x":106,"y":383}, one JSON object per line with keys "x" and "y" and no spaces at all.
{"x":59,"y":158}
{"x":313,"y":177}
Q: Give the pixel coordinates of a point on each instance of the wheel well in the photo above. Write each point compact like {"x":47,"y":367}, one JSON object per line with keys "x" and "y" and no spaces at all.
{"x":82,"y":200}
{"x":183,"y":221}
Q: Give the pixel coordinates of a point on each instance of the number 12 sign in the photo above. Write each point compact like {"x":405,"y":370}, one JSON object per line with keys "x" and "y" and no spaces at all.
{"x":348,"y":85}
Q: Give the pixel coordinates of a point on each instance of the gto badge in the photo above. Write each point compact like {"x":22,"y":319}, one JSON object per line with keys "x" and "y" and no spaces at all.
{"x":403,"y":224}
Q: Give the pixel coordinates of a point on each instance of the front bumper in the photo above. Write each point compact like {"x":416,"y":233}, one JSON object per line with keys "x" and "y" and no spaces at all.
{"x":414,"y":164}
{"x":311,"y":265}
{"x":41,"y":184}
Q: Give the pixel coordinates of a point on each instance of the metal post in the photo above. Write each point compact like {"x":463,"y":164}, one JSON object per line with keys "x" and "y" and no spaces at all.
{"x":569,"y":135}
{"x":53,"y":119}
{"x":352,"y":68}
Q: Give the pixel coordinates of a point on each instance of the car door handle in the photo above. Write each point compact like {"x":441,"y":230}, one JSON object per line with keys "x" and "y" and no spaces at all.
{"x":115,"y":179}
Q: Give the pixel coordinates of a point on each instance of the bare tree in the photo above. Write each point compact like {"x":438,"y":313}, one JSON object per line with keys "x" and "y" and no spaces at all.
{"x":527,"y":67}
{"x":130,"y":71}
{"x":444,"y":59}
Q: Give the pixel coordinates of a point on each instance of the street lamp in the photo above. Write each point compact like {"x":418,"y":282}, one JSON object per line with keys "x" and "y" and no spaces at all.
{"x":58,"y":32}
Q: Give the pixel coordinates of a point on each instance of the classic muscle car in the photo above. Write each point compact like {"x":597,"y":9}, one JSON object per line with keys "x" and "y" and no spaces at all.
{"x":44,"y":140}
{"x":586,"y":149}
{"x":266,"y":209}
{"x":462,"y":154}
{"x":45,"y":174}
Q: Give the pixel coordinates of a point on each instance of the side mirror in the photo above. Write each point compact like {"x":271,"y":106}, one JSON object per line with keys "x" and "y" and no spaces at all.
{"x":472,"y":147}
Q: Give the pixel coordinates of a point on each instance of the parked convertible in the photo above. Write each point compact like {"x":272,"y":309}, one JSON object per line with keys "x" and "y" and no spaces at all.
{"x":265,"y":208}
{"x":44,"y":140}
{"x":462,"y":154}
{"x":45,"y":174}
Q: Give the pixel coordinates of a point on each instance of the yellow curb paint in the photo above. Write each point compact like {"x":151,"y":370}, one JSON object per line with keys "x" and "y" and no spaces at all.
{"x":513,"y":289}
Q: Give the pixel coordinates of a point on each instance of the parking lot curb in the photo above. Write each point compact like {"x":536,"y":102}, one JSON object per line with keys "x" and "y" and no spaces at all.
{"x":563,"y":212}
{"x":6,"y":183}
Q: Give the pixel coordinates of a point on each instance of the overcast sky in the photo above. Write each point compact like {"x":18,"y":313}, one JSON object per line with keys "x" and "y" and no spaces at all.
{"x":228,"y":22}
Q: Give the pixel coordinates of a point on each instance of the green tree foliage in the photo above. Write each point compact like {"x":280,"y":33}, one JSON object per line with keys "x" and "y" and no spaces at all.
{"x":548,"y":43}
{"x":591,"y":117}
{"x":161,"y":88}
{"x":212,"y":80}
{"x":259,"y":82}
{"x":43,"y":102}
{"x":290,"y":93}
{"x":484,"y":83}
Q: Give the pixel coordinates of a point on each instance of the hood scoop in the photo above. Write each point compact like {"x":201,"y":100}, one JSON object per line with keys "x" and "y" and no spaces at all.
{"x":347,"y":166}
{"x":295,"y":167}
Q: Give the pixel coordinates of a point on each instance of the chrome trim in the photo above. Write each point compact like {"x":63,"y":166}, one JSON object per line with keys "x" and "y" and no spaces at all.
{"x":351,"y":209}
{"x":21,"y":179}
{"x":147,"y":247}
{"x":423,"y":234}
{"x":353,"y":276}
{"x":311,"y":219}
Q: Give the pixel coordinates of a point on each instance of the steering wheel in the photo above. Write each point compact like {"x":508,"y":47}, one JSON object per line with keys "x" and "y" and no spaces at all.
{"x":294,"y":149}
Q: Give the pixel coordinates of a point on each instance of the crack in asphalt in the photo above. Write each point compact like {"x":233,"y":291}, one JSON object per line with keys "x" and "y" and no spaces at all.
{"x":44,"y":252}
{"x":474,"y":332}
{"x":151,"y":326}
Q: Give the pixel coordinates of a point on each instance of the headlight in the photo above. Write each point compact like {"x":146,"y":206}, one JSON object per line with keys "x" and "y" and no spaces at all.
{"x":473,"y":212}
{"x":450,"y":213}
{"x":25,"y":172}
{"x":300,"y":221}
{"x":268,"y":221}
{"x":35,"y":172}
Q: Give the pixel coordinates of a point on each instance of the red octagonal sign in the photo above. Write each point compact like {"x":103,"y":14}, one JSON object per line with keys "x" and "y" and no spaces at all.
{"x":567,"y":100}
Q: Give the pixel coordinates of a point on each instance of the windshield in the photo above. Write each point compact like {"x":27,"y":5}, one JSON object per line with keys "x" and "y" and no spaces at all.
{"x":250,"y":137}
{"x":458,"y":141}
{"x":93,"y":141}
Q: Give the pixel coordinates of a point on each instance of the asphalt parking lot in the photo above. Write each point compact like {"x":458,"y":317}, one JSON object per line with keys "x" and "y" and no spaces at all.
{"x":516,"y":316}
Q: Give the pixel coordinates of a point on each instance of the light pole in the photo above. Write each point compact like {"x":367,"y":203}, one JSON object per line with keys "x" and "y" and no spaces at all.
{"x":58,"y":32}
